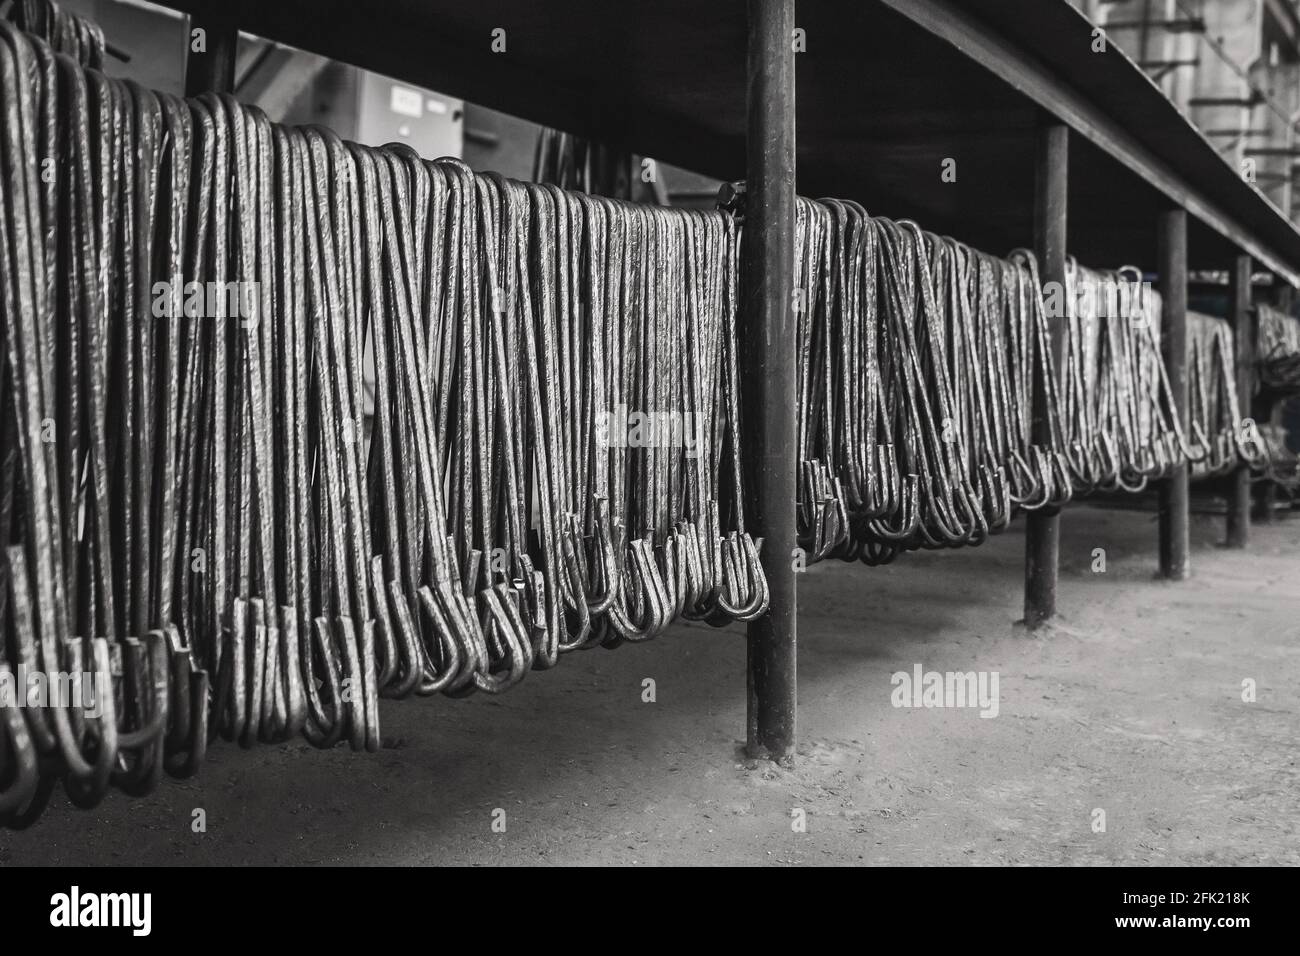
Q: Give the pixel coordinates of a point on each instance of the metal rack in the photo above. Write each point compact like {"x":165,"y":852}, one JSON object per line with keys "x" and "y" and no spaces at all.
{"x":1052,"y":140}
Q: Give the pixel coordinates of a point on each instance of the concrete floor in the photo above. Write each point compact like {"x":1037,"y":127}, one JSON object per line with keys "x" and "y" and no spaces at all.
{"x":1132,"y":704}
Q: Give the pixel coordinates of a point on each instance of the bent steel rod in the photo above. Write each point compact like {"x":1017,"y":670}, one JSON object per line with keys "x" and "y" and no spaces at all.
{"x":1174,"y":542}
{"x":1243,"y":330}
{"x":770,"y":369}
{"x":1042,"y":533}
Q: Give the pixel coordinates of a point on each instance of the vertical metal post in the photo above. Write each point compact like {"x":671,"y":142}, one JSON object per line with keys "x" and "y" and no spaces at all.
{"x":212,"y":69}
{"x":769,"y":368}
{"x":1042,"y":534}
{"x":1175,"y":546}
{"x":1243,"y":329}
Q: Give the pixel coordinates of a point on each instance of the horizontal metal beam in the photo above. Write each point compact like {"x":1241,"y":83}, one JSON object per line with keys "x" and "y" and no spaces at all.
{"x":1253,"y":100}
{"x":473,"y":73}
{"x":948,"y":21}
{"x":1192,"y":25}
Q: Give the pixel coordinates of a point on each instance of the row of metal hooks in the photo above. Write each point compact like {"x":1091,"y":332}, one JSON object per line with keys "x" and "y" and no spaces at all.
{"x":1221,"y":425}
{"x":293,"y":424}
{"x":916,"y":369}
{"x":917,"y":356}
{"x":1277,"y":356}
{"x":1277,"y":350}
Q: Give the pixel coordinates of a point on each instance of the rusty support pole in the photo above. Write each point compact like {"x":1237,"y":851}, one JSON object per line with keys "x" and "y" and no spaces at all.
{"x":1043,"y":530}
{"x":1243,"y":330}
{"x":1175,"y":547}
{"x":210,"y":57}
{"x":769,"y":369}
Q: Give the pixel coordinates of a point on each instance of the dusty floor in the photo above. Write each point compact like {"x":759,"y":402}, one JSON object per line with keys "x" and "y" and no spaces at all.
{"x":1133,"y":705}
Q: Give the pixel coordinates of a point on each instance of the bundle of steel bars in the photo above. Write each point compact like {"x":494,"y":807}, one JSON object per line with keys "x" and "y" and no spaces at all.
{"x":1278,"y":350}
{"x":199,"y":524}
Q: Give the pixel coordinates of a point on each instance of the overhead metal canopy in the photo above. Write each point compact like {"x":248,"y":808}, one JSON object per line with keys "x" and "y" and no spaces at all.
{"x":887,"y":90}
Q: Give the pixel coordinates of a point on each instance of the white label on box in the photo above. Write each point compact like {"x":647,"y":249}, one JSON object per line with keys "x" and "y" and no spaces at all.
{"x":406,"y":102}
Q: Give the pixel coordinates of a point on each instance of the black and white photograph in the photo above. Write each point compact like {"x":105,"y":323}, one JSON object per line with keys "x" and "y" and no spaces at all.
{"x":593,"y":433}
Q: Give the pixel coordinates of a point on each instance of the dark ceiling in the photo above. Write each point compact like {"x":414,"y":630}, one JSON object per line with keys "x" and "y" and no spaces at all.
{"x":882,"y":102}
